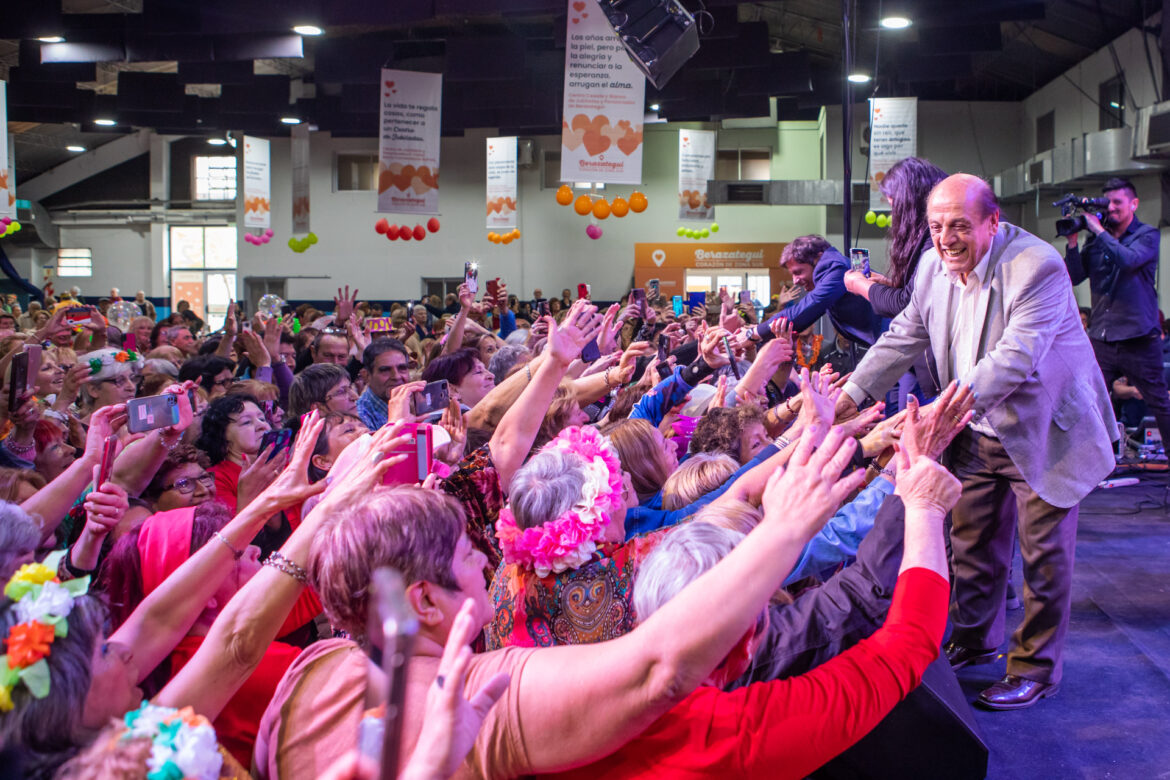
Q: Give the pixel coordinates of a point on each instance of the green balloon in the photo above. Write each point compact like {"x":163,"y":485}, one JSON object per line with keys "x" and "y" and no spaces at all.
{"x":714,"y":227}
{"x":16,"y":227}
{"x":871,"y":217}
{"x":292,"y":244}
{"x":311,"y":238}
{"x":883,"y":221}
{"x":704,"y":233}
{"x":682,"y":231}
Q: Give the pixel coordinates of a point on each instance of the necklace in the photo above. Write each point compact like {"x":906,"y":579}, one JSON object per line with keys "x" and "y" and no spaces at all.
{"x":816,"y":353}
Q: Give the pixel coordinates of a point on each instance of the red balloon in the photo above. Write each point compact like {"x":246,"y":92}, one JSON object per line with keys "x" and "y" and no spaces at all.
{"x":404,"y":233}
{"x":392,"y":232}
{"x":433,"y":224}
{"x":420,"y":232}
{"x":382,"y":225}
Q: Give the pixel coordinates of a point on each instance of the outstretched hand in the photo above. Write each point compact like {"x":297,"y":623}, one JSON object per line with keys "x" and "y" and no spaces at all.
{"x":929,"y":430}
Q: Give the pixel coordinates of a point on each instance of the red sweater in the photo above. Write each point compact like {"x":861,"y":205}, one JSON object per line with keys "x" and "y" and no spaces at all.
{"x":789,"y":728}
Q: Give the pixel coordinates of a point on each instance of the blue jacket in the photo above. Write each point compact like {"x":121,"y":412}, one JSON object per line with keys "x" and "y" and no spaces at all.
{"x":850,"y":314}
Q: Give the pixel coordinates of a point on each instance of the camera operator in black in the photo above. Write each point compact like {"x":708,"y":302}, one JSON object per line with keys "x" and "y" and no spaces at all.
{"x":1120,"y":260}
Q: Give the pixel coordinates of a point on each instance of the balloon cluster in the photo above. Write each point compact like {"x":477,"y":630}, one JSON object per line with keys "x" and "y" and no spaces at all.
{"x":299,"y":245}
{"x":685,"y":232}
{"x":10,"y":226}
{"x":257,"y":240}
{"x":406,"y":232}
{"x":600,"y":208}
{"x":504,"y":238}
{"x":881,"y":220}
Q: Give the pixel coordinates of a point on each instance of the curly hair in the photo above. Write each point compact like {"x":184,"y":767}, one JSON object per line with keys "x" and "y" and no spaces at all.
{"x":179,"y":456}
{"x":204,"y":369}
{"x":213,"y":434}
{"x":721,"y":430}
{"x":805,"y":249}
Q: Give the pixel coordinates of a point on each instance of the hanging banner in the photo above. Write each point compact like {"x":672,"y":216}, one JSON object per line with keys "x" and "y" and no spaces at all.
{"x":408,"y":149}
{"x":501,"y":182}
{"x":605,"y":93}
{"x":7,"y":170}
{"x":257,"y":183}
{"x":696,"y":164}
{"x":893,"y":136}
{"x":300,"y":178}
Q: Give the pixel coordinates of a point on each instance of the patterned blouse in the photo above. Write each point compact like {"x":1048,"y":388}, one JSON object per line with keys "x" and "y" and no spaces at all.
{"x":476,"y":485}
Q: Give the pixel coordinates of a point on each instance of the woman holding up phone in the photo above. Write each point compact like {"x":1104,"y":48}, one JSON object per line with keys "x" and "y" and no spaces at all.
{"x":233,"y":429}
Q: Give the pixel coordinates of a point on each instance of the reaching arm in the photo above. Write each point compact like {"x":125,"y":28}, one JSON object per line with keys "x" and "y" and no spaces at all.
{"x":455,"y":336}
{"x":1143,"y":250}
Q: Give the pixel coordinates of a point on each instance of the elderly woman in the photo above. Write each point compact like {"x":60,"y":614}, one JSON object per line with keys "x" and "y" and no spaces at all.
{"x":737,"y":432}
{"x":140,"y":329}
{"x":112,"y":379}
{"x":466,"y":375}
{"x":648,"y":456}
{"x":699,"y":475}
{"x":214,"y":374}
{"x":233,"y":427}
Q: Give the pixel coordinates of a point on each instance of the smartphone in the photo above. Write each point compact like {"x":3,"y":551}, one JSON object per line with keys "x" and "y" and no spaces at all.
{"x":419,"y":450}
{"x":246,"y":326}
{"x":76,"y":315}
{"x":638,"y":299}
{"x":859,"y":258}
{"x":582,"y":290}
{"x":433,"y":398}
{"x":493,"y":287}
{"x":471,"y":276}
{"x":108,"y":449}
{"x":129,"y":342}
{"x":17,"y":380}
{"x":34,"y":352}
{"x":269,"y":409}
{"x":544,"y":310}
{"x":653,"y":288}
{"x":391,"y":630}
{"x":663,"y":353}
{"x":731,"y":357}
{"x":745,"y":297}
{"x":695,"y":299}
{"x":677,"y":303}
{"x":281,"y":437}
{"x":591,"y":352}
{"x":152,"y":412}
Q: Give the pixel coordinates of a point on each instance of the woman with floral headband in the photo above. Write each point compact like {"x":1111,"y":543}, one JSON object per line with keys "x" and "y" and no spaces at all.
{"x":112,"y":379}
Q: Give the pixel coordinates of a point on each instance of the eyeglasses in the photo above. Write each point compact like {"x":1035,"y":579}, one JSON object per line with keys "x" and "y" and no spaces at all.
{"x":225,"y":383}
{"x":122,"y":380}
{"x":186,"y":485}
{"x":340,"y":392}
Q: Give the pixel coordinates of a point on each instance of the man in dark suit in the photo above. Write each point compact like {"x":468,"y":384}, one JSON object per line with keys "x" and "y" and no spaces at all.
{"x":994,"y":305}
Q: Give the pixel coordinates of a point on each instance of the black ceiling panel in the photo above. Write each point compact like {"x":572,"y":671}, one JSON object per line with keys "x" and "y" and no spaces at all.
{"x":149,"y":92}
{"x":354,"y":59}
{"x":484,"y":59}
{"x":156,"y":48}
{"x":216,"y":72}
{"x":82,"y":52}
{"x":264,"y":94}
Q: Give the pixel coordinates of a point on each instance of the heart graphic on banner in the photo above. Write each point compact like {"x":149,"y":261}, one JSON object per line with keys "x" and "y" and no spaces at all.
{"x":595,"y":142}
{"x":389,"y":84}
{"x":575,"y":20}
{"x":579,"y":6}
{"x":584,"y":16}
{"x":571,"y":139}
{"x":658,"y":256}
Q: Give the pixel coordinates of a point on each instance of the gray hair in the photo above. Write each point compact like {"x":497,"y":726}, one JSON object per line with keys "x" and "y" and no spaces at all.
{"x":547,"y":486}
{"x":682,"y":557}
{"x":20,"y":534}
{"x":160,"y":366}
{"x":518,"y":336}
{"x":505,"y":359}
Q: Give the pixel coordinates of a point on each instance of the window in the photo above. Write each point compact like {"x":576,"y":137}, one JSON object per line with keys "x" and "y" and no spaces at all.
{"x":74,"y":262}
{"x":1046,"y":132}
{"x":743,"y":164}
{"x":1111,"y":103}
{"x":215,"y":178}
{"x":356,"y":172}
{"x":203,"y":269}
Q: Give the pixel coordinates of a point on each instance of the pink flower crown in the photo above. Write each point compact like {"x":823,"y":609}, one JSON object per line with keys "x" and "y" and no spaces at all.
{"x":568,"y":541}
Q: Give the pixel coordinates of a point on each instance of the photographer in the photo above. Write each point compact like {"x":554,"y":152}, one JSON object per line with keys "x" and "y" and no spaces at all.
{"x":1120,"y":261}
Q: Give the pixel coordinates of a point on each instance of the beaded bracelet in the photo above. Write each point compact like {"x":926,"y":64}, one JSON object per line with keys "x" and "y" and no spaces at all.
{"x":782,"y":442}
{"x":283,"y":564}
{"x":237,"y":554}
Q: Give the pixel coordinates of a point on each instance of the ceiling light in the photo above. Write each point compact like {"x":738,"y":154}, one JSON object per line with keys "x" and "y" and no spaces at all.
{"x":216,"y":141}
{"x":308,"y":29}
{"x":51,"y":39}
{"x":105,"y":122}
{"x":290,"y":120}
{"x":654,"y":107}
{"x":859,"y":78}
{"x":75,"y":148}
{"x":895,"y":22}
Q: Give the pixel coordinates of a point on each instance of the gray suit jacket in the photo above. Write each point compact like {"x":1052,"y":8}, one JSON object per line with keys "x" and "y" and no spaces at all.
{"x":1037,"y":379}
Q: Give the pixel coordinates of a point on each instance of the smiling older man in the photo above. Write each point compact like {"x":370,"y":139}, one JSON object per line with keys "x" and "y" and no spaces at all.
{"x":995,"y":306}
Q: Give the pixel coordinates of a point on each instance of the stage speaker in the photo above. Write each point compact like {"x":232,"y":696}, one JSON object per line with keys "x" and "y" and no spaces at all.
{"x":930,"y":734}
{"x":660,"y":35}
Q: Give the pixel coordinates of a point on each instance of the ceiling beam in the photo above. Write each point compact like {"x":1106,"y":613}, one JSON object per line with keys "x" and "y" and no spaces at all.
{"x":86,"y":165}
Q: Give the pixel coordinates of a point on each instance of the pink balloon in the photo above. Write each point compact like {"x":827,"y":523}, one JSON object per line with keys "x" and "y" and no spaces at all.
{"x":593,"y":231}
{"x":6,"y":221}
{"x":268,"y":233}
{"x":248,"y":237}
{"x":265,"y":238}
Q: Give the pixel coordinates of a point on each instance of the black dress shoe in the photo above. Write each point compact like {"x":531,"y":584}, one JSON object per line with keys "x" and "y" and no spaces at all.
{"x":960,"y":656}
{"x":1015,"y":693}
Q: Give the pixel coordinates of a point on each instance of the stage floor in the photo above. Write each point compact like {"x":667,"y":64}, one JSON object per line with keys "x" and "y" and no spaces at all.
{"x":1111,"y":718}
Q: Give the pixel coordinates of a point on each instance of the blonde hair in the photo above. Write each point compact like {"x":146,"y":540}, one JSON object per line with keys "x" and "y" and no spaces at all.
{"x":738,"y":516}
{"x":641,"y":455}
{"x":695,"y":477}
{"x":261,"y":391}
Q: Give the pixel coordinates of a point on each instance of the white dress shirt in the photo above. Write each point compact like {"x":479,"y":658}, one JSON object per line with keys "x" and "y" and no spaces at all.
{"x":969,"y":310}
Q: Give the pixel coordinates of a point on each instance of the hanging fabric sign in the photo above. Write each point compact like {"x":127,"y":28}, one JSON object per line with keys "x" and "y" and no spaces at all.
{"x":605,"y":93}
{"x":7,"y":170}
{"x":696,"y":164}
{"x":257,"y":183}
{"x":501,"y":182}
{"x":893,"y":136}
{"x":300,"y":178}
{"x":408,"y":149}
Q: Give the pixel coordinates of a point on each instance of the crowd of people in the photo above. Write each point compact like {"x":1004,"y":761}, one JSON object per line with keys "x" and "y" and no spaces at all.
{"x":564,"y":489}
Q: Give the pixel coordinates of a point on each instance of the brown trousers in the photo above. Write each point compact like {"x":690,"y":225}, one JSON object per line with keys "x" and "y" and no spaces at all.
{"x":982,"y":542}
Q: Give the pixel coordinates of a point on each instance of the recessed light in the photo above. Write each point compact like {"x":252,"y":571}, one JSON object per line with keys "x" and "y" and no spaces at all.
{"x":308,"y":29}
{"x":290,"y":120}
{"x":217,"y":141}
{"x":895,"y":22}
{"x":859,"y":78}
{"x":105,"y":122}
{"x":51,"y":39}
{"x":654,"y":106}
{"x":75,"y":148}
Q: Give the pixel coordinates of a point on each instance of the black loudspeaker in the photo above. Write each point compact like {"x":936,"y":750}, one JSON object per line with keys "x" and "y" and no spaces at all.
{"x":660,"y":35}
{"x":930,"y":734}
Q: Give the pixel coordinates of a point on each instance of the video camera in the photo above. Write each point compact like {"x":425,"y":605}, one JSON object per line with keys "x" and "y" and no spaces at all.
{"x":1070,"y":221}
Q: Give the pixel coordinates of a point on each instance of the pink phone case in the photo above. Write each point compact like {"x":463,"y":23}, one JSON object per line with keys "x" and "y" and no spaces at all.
{"x":420,"y":453}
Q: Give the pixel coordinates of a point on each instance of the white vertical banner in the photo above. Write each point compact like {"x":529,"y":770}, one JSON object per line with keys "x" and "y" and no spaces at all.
{"x":605,"y":102}
{"x":257,"y":183}
{"x":893,"y":136}
{"x":501,"y":182}
{"x":408,"y":147}
{"x":300,"y":178}
{"x":696,"y":164}
{"x":7,"y":170}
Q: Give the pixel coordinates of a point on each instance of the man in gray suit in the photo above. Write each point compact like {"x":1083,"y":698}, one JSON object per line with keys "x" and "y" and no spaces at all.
{"x":995,"y":306}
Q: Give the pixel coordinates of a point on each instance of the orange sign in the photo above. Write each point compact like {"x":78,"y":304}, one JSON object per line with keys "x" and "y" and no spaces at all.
{"x":668,"y":261}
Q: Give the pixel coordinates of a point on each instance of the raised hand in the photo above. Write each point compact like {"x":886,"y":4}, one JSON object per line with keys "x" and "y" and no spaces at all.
{"x":453,"y":423}
{"x":884,"y":435}
{"x":818,"y":400}
{"x":711,"y":348}
{"x":292,"y":486}
{"x":928,"y":431}
{"x":364,"y":474}
{"x":629,"y":361}
{"x":466,"y":297}
{"x":398,"y":404}
{"x":259,"y":475}
{"x":923,"y":483}
{"x":343,"y":305}
{"x":255,"y":349}
{"x":102,"y":424}
{"x":787,"y":294}
{"x":607,"y":341}
{"x":566,"y":340}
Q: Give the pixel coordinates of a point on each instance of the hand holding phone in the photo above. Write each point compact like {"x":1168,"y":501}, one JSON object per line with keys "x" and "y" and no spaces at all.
{"x":677,"y":303}
{"x":433,"y":398}
{"x":152,"y":412}
{"x":638,"y":299}
{"x":18,"y":374}
{"x":109,"y":450}
{"x":471,"y":276}
{"x":731,"y":357}
{"x":859,"y":259}
{"x":278,"y":440}
{"x":419,"y":451}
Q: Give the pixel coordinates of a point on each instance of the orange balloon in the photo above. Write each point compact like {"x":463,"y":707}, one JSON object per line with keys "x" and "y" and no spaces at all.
{"x":583,"y":205}
{"x":493,"y":237}
{"x":601,"y":209}
{"x":638,"y":202}
{"x":619,"y":207}
{"x":506,"y":238}
{"x":516,"y":233}
{"x":564,"y":195}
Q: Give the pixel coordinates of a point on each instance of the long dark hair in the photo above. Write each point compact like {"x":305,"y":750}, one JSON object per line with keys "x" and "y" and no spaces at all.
{"x":907,"y":186}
